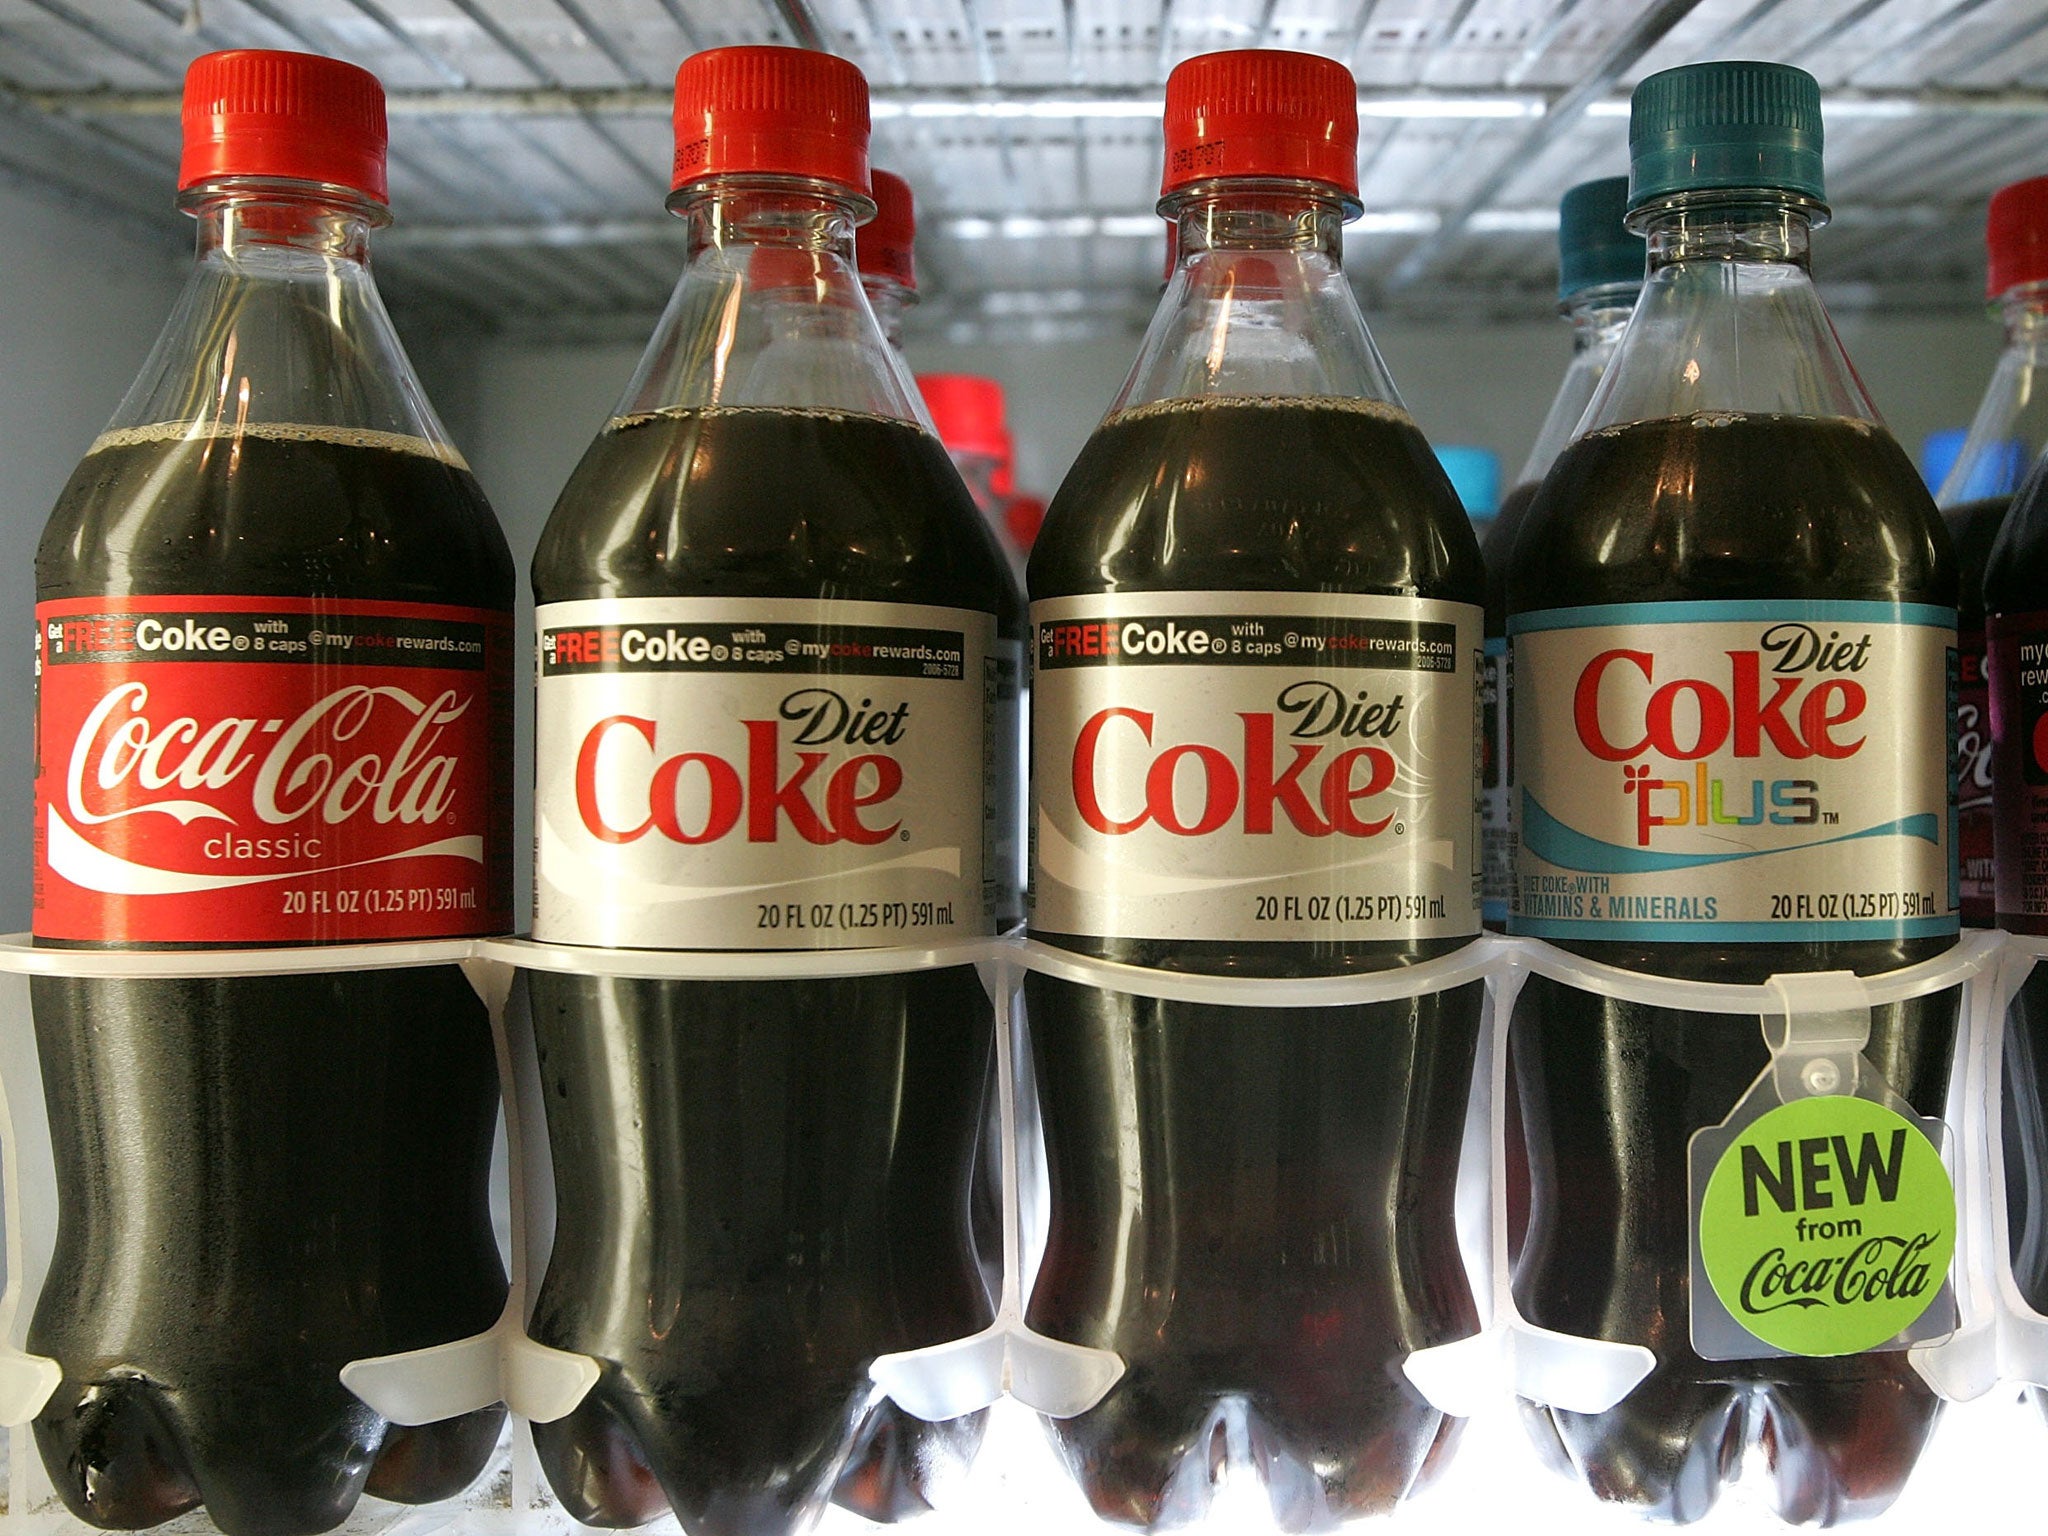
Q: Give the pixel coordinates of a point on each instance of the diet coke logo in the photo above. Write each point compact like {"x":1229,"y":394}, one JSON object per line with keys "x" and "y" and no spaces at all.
{"x":1621,"y":709}
{"x":334,"y":760}
{"x":1124,"y":780}
{"x":699,"y":796}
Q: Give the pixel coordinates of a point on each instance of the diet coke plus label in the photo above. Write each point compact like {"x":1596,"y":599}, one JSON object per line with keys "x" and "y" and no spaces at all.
{"x":725,"y":773}
{"x":242,"y":770}
{"x":1735,"y":771}
{"x":1263,"y":766}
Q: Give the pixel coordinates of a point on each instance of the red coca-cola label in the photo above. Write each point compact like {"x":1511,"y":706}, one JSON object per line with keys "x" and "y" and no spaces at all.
{"x":237,"y":770}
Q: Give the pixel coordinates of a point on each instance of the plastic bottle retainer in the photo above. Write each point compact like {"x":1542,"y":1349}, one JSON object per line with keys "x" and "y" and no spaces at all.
{"x":1816,"y":1026}
{"x":1817,"y":1042}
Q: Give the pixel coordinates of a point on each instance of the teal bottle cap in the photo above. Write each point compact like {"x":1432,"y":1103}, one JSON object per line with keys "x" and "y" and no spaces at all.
{"x":1594,"y":248}
{"x":1725,"y":124}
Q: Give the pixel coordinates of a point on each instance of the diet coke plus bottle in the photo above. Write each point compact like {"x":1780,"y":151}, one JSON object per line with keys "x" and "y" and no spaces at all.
{"x":1732,"y":610}
{"x":273,"y":708}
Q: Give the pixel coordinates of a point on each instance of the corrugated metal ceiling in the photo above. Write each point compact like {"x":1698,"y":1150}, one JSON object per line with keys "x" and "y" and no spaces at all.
{"x":530,"y":137}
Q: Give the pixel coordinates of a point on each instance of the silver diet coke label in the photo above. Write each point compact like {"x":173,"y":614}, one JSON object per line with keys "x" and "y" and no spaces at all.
{"x":1287,"y":767}
{"x":720,"y":773}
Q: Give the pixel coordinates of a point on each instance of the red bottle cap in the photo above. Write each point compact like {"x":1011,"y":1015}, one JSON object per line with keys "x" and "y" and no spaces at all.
{"x":777,"y":111}
{"x":883,"y":247}
{"x":2016,"y":235}
{"x":1261,"y":112}
{"x":968,"y":412}
{"x":1022,"y":519}
{"x":257,"y":112}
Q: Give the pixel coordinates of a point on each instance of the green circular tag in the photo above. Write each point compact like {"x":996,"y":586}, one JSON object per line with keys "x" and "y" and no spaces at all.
{"x":1827,"y":1226}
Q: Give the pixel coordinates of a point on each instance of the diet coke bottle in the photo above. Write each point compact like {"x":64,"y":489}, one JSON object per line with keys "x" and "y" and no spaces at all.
{"x":1257,"y":627}
{"x":764,"y":708}
{"x":1732,"y":607}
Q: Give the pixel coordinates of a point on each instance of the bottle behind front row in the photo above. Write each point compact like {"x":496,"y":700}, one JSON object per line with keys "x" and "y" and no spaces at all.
{"x":766,"y":619}
{"x":1732,"y":606}
{"x":1600,"y":271}
{"x":273,"y":708}
{"x":2007,"y":435}
{"x":1997,"y":496}
{"x":1256,"y":629}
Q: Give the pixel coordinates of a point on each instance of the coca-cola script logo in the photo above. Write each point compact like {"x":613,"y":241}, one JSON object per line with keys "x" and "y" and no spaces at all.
{"x":326,"y":765}
{"x":1973,"y":728}
{"x":628,"y":787}
{"x":1124,"y":779}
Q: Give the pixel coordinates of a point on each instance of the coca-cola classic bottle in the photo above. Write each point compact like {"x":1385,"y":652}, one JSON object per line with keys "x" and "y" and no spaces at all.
{"x":1257,"y":626}
{"x":273,"y":708}
{"x":765,"y":686}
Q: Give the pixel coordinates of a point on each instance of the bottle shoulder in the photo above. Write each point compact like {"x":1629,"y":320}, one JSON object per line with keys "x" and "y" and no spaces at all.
{"x":747,"y":502}
{"x":278,"y":510}
{"x":1257,"y":495}
{"x":1726,"y":506}
{"x":2016,"y":570}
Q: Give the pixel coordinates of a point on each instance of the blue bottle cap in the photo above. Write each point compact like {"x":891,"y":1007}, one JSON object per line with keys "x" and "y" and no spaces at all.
{"x":1594,"y":248}
{"x":1998,"y":471}
{"x":1725,"y":124}
{"x":1475,"y":475}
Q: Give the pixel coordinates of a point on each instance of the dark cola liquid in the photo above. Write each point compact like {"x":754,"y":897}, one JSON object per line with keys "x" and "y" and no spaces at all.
{"x":1501,"y":534}
{"x":762,"y":1185}
{"x":1497,"y":851}
{"x":1700,"y":510}
{"x":262,"y":1179}
{"x":2015,"y":568}
{"x":1253,"y":1206}
{"x":1497,"y":842}
{"x":1974,"y":528}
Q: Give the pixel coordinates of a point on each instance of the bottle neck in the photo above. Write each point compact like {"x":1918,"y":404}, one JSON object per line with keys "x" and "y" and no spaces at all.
{"x":2010,"y":430}
{"x":1257,"y":303}
{"x":1752,"y":229}
{"x":734,"y":213}
{"x":889,"y":300}
{"x":769,"y":311}
{"x":1257,"y":214}
{"x":280,"y":321}
{"x":1598,"y":316}
{"x":280,"y":227}
{"x":2025,"y":312}
{"x":1729,"y":321}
